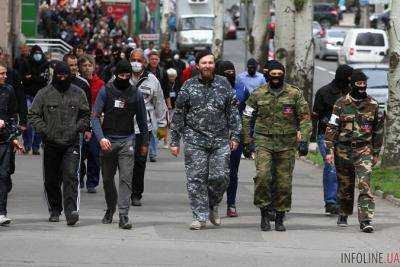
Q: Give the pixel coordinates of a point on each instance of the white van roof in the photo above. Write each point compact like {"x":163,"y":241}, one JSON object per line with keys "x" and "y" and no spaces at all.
{"x":366,"y":30}
{"x":197,"y":15}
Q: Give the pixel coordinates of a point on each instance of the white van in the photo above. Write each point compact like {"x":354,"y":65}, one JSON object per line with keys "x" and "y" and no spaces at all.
{"x":363,"y":46}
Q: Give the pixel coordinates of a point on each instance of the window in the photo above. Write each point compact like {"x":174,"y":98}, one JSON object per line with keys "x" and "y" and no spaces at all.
{"x":370,"y":39}
{"x":197,"y":23}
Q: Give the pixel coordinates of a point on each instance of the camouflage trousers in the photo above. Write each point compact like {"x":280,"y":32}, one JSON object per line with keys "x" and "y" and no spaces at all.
{"x":273,"y":182}
{"x":207,"y":172}
{"x":355,"y":166}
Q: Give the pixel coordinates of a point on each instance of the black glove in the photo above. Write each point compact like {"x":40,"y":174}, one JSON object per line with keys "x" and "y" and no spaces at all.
{"x":303,"y":148}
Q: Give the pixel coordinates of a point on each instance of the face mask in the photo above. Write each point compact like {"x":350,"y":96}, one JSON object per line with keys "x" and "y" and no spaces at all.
{"x":358,"y":92}
{"x":61,"y":85}
{"x":136,"y":67}
{"x":122,"y":84}
{"x":251,"y":70}
{"x":176,"y":57}
{"x":37,"y":57}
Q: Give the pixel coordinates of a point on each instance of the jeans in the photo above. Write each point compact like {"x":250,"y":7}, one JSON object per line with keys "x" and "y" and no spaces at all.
{"x":233,"y":176}
{"x":90,"y":153}
{"x":153,"y":150}
{"x":330,"y":182}
{"x":32,"y":140}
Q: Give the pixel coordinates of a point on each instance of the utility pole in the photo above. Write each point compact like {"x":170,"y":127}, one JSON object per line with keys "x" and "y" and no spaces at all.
{"x":364,"y":11}
{"x":218,"y":36}
{"x":246,"y":38}
{"x":391,"y":153}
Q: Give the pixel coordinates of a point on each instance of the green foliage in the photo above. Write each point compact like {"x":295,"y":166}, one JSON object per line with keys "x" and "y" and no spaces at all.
{"x":299,"y":4}
{"x":315,"y":158}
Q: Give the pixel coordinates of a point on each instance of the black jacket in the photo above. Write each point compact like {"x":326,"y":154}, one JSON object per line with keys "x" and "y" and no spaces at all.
{"x":325,"y":99}
{"x":14,"y":80}
{"x":8,"y":113}
{"x":60,"y":116}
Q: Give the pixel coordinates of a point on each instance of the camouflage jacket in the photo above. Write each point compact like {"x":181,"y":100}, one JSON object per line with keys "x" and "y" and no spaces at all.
{"x":206,"y":114}
{"x":355,"y":122}
{"x":277,"y":118}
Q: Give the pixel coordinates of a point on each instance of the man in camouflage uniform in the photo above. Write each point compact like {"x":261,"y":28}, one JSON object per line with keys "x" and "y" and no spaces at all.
{"x":356,"y":129}
{"x":281,"y":118}
{"x":207,"y":118}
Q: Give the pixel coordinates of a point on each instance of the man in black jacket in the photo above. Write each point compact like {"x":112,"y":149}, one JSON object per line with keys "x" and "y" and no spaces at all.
{"x":34,"y":75}
{"x":60,"y":112}
{"x":325,"y":98}
{"x":8,"y":134}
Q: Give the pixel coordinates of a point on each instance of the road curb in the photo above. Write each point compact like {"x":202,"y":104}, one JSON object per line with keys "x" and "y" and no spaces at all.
{"x":378,"y":193}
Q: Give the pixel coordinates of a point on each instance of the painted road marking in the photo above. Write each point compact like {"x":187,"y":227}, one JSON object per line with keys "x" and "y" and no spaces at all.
{"x":323,"y":69}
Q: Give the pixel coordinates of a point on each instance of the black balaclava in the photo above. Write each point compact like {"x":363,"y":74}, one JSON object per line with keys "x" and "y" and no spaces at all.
{"x":252,"y":67}
{"x":227,"y":65}
{"x":358,"y":92}
{"x":61,"y":68}
{"x":275,"y":65}
{"x":123,"y":66}
{"x":342,"y":78}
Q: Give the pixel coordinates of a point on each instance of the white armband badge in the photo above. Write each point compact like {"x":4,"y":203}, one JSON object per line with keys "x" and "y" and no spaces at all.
{"x":334,"y":120}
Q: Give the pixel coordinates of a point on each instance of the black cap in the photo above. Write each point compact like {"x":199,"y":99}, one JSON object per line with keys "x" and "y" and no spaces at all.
{"x":61,"y":68}
{"x":343,"y":72}
{"x":202,"y":54}
{"x":123,"y":66}
{"x":358,"y":75}
{"x":275,"y":65}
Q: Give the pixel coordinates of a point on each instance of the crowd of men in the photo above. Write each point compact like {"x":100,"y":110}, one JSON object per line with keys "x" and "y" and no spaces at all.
{"x":91,"y":116}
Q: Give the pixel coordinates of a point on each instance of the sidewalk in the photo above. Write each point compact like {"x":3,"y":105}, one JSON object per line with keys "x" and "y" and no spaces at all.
{"x":161,"y":236}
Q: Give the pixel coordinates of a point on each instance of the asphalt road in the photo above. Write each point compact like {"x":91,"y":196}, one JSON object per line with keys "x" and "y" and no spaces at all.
{"x":161,"y":236}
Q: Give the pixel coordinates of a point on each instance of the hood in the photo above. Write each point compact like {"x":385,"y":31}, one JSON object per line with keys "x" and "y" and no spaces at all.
{"x":197,"y":36}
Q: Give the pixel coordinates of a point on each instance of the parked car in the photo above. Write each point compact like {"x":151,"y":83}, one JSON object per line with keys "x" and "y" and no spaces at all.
{"x":380,"y":20}
{"x":377,"y":84}
{"x":317,"y":29}
{"x":326,"y":45}
{"x":229,"y":28}
{"x":363,"y":46}
{"x":326,"y":14}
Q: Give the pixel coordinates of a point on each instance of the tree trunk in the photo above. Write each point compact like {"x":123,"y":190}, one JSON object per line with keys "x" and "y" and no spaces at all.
{"x":364,"y":20}
{"x":284,"y":33}
{"x":303,"y":72}
{"x":218,"y":37}
{"x":259,"y":33}
{"x":391,"y":153}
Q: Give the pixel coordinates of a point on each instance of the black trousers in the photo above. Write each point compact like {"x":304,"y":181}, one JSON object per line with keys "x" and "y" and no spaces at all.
{"x":139,"y":168}
{"x":61,"y":168}
{"x":6,"y":169}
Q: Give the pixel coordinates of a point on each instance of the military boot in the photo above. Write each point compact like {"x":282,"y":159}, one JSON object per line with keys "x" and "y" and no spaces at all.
{"x":366,"y":226}
{"x":342,"y":220}
{"x":280,"y":215}
{"x":265,"y":224}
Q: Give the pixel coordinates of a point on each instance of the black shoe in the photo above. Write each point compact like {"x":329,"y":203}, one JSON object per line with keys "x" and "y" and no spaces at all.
{"x":73,"y":218}
{"x":271,"y":212}
{"x":331,"y":209}
{"x":342,"y":221}
{"x":279,"y":221}
{"x":366,"y":227}
{"x":135,"y":201}
{"x":153,"y":159}
{"x":92,"y":190}
{"x":54,"y":217}
{"x":36,"y":152}
{"x":265,"y":225}
{"x":108,"y":217}
{"x":124,"y":222}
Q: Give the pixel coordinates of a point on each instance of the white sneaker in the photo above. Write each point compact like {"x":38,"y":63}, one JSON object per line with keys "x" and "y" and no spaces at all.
{"x":4,"y":220}
{"x":214,"y":216}
{"x":197,"y":225}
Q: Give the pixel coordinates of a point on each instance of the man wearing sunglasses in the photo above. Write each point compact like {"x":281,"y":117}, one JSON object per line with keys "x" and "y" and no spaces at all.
{"x":354,"y":138}
{"x":120,"y":102}
{"x":278,"y":111}
{"x":59,"y":112}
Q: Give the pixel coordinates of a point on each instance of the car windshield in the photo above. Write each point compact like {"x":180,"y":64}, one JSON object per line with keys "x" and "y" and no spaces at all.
{"x":370,"y":39}
{"x":336,"y":34}
{"x":377,"y":78}
{"x":198,"y":23}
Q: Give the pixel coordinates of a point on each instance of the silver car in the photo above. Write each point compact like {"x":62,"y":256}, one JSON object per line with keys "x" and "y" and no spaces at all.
{"x":377,"y":85}
{"x":328,"y":43}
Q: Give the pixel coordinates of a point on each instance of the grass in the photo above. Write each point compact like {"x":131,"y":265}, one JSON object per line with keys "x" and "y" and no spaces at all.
{"x":386,"y":180}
